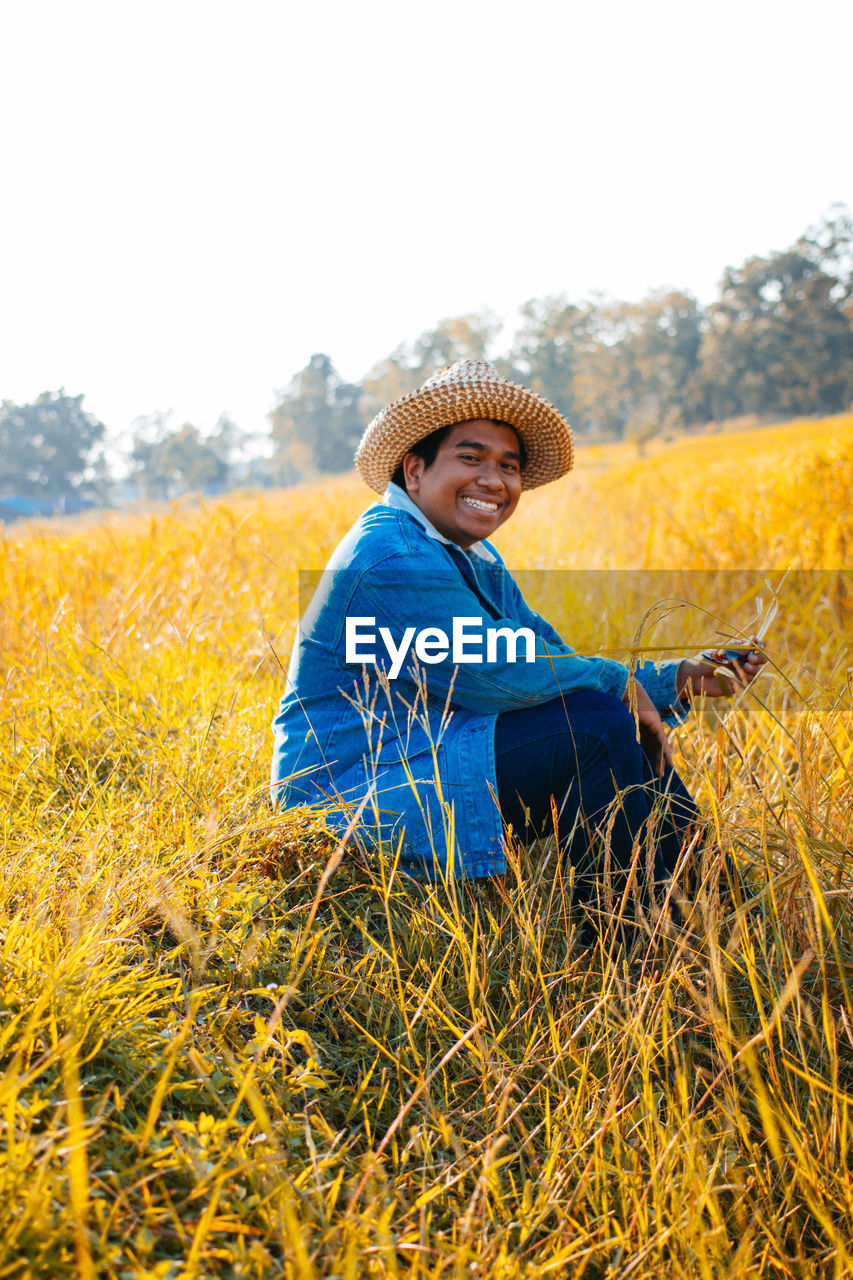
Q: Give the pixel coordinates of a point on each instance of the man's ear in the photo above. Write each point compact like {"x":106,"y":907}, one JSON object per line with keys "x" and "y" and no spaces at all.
{"x":413,"y":467}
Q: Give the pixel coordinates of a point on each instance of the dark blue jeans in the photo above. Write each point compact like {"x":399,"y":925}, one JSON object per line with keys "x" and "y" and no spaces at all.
{"x":578,"y":756}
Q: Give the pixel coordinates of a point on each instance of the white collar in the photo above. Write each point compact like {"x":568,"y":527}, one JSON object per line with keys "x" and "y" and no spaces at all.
{"x":397,"y":498}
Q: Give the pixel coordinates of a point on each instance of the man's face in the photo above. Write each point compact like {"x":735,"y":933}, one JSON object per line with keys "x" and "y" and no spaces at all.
{"x":474,"y":483}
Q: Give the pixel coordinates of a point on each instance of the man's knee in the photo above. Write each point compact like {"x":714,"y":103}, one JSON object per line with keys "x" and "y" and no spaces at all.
{"x":611,"y":712}
{"x":616,"y":728}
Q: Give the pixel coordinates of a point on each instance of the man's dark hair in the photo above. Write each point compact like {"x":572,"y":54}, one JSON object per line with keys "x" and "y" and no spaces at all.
{"x":428,"y":449}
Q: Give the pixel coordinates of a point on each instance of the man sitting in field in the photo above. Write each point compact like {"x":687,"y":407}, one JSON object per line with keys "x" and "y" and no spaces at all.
{"x":422,"y":681}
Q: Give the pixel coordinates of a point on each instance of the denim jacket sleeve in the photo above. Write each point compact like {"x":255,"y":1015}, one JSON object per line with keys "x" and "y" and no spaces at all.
{"x":397,"y":600}
{"x":658,"y":679}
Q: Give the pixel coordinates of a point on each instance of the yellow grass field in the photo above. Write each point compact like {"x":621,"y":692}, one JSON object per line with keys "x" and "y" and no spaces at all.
{"x":227,"y":1050}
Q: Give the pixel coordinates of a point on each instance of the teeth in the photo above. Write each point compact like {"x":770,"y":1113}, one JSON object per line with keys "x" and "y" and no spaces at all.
{"x":481,"y":506}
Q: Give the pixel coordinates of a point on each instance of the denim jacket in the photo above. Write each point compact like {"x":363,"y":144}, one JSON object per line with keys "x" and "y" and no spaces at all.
{"x":421,"y":743}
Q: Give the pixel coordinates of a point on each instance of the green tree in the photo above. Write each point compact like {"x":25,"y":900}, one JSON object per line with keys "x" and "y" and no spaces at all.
{"x":780,"y":338}
{"x":243,"y":454}
{"x":660,"y":356}
{"x":574,"y":355}
{"x":409,"y":365}
{"x":191,"y":463}
{"x":549,"y":350}
{"x":47,"y":447}
{"x":170,"y":462}
{"x":459,"y":338}
{"x":605,"y":388}
{"x":316,"y":423}
{"x":830,"y":245}
{"x":227,"y":441}
{"x":608,"y":365}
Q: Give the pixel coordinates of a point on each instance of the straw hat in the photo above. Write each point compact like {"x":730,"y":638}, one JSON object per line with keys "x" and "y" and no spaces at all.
{"x":462,"y":392}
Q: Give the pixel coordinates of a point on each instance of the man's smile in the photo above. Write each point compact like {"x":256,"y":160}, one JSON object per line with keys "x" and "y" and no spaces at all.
{"x":481,"y":504}
{"x":473,"y":483}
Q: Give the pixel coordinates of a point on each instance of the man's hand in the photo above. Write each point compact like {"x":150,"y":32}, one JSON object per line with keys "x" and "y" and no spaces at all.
{"x":698,"y":675}
{"x":652,"y":733}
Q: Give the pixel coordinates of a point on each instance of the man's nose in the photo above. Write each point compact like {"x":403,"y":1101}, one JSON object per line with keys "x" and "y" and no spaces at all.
{"x":490,"y":476}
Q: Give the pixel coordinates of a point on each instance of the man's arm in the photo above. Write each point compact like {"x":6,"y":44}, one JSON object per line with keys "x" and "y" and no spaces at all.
{"x":398,"y":599}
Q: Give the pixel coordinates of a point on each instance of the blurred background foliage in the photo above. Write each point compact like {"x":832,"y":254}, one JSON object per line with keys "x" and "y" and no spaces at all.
{"x":777,"y":343}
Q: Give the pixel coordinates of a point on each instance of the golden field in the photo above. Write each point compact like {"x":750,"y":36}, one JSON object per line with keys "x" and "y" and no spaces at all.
{"x":227,"y":1050}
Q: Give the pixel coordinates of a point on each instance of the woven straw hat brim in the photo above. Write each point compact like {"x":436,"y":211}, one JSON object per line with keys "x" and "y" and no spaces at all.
{"x":392,"y":433}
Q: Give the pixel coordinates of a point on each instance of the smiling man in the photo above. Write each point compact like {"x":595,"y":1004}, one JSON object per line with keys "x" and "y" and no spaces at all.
{"x":472,"y":485}
{"x":440,"y":745}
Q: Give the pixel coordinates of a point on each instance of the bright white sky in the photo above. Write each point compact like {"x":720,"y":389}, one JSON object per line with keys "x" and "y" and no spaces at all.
{"x":199,"y":194}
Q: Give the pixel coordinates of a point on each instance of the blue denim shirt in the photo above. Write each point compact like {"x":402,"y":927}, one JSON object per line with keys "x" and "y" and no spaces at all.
{"x":422,"y":743}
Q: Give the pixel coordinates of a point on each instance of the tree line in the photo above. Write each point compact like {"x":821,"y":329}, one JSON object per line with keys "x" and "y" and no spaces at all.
{"x":777,"y":342}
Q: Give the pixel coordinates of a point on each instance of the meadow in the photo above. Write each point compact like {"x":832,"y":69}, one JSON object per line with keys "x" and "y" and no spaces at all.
{"x":231,"y":1047}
